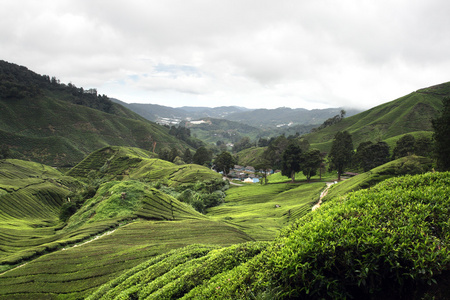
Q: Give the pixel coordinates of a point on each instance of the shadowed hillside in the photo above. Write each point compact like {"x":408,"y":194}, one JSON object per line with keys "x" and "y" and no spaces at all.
{"x":48,"y":122}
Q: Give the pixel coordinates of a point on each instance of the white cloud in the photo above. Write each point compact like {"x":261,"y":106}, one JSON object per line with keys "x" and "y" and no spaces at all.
{"x":254,"y":53}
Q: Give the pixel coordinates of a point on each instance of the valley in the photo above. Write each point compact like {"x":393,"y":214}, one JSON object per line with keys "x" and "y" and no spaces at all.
{"x":98,"y":202}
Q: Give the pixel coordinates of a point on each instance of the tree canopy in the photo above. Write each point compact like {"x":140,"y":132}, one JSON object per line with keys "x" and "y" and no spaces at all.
{"x":441,"y":136}
{"x":372,"y":155}
{"x":202,"y":156}
{"x":311,"y":162}
{"x":404,"y":146}
{"x":224,"y":162}
{"x":341,"y":152}
{"x":291,"y":160}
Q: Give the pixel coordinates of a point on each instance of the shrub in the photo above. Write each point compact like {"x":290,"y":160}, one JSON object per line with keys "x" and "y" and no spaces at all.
{"x":67,"y":210}
{"x":393,"y":238}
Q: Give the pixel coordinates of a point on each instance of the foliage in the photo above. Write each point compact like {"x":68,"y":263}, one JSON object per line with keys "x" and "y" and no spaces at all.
{"x":441,"y":136}
{"x":292,"y":160}
{"x":59,"y":124}
{"x":262,"y":210}
{"x":224,"y":162}
{"x":184,"y":134}
{"x":410,"y":165}
{"x":202,"y":156}
{"x":331,"y":121}
{"x":404,"y":146}
{"x":187,"y":156}
{"x":369,"y":155}
{"x":388,"y":241}
{"x":408,"y":114}
{"x":275,"y":151}
{"x":311,"y":162}
{"x":76,"y":272}
{"x":341,"y":152}
{"x":4,"y":152}
{"x":242,"y":144}
{"x":372,"y":241}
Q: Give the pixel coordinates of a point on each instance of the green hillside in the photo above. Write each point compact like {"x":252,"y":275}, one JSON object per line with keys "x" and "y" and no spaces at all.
{"x":370,"y":244}
{"x":58,"y":125}
{"x":212,"y":130}
{"x":409,"y":114}
{"x":133,"y":163}
{"x":125,"y":222}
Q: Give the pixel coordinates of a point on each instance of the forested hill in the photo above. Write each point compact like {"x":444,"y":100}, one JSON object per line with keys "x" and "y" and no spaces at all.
{"x":46,"y":121}
{"x":409,"y":114}
{"x":18,"y":82}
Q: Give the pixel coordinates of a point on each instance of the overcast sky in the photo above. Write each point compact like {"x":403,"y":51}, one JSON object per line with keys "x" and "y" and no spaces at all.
{"x":257,"y":54}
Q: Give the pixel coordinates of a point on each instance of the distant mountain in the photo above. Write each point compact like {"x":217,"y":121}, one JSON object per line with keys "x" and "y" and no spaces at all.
{"x":211,"y":130}
{"x":266,"y":118}
{"x":409,"y":114}
{"x":171,"y":116}
{"x":57,"y":124}
{"x":285,"y":116}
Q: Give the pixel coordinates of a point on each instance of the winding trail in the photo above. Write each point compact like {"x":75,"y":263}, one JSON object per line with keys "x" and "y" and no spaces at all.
{"x":323,"y":194}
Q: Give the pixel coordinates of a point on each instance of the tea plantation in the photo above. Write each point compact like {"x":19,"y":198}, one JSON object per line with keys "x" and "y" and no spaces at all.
{"x":128,"y":234}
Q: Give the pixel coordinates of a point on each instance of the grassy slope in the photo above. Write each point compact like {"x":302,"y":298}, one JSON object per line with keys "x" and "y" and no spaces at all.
{"x":328,"y":252}
{"x":408,"y":114}
{"x":57,"y":132}
{"x":222,"y":130}
{"x":398,"y":167}
{"x":146,"y":221}
{"x":250,"y":156}
{"x":31,"y":195}
{"x":132,"y":163}
{"x":253,"y":208}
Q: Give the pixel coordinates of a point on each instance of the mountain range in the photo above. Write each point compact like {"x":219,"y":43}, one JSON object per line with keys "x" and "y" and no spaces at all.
{"x":123,"y":224}
{"x":259,"y":118}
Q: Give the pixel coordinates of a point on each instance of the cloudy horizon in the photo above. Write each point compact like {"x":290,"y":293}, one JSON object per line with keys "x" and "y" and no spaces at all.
{"x":254,"y":54}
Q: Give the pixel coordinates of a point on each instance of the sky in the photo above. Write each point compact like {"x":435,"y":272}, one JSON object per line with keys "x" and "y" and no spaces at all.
{"x":250,"y":53}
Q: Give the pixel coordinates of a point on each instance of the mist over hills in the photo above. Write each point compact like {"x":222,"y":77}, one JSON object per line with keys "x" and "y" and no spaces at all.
{"x":266,"y":118}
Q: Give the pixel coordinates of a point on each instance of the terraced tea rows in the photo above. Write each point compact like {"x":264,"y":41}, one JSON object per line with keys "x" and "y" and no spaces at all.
{"x":77,"y":271}
{"x":261,"y":211}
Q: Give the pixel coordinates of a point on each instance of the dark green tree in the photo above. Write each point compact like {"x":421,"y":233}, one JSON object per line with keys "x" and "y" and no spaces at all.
{"x":441,"y":136}
{"x":372,"y":155}
{"x":275,"y":150}
{"x":291,"y":160}
{"x":4,"y":152}
{"x":263,"y":167}
{"x":173,"y":154}
{"x":311,"y":162}
{"x":404,"y":146}
{"x":164,"y":154}
{"x":242,"y":144}
{"x":187,"y":156}
{"x":202,"y":156}
{"x":341,"y":153}
{"x":423,"y":146}
{"x":224,"y":162}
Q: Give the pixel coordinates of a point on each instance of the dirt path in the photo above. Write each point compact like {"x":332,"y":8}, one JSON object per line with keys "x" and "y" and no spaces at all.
{"x":323,"y":194}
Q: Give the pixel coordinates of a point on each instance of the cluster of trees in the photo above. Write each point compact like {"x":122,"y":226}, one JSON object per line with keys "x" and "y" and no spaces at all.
{"x":183,"y":133}
{"x":18,"y":82}
{"x":331,"y":121}
{"x":293,"y":154}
